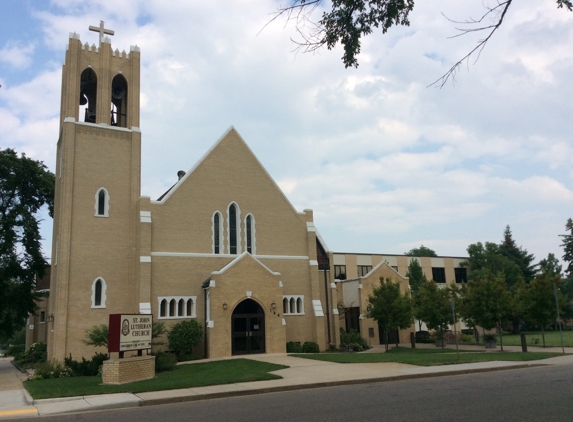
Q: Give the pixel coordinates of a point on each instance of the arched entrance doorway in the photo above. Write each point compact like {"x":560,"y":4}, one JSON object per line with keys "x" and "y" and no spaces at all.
{"x":248,"y":328}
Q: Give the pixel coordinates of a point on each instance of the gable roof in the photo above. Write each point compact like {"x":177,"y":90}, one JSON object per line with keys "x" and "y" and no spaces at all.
{"x":165,"y":197}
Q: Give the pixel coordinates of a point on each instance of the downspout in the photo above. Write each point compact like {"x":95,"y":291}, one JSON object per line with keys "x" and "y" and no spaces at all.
{"x":327,"y":307}
{"x":206,"y":284}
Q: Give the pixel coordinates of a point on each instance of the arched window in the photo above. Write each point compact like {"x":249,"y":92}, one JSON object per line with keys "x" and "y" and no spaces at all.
{"x":102,"y":203}
{"x":88,"y":95}
{"x":291,"y":307}
{"x":234,"y":229}
{"x":250,"y":234}
{"x":285,"y":306}
{"x":217,"y":232}
{"x":176,"y":307}
{"x":299,"y":309}
{"x":99,"y":289}
{"x":119,"y":101}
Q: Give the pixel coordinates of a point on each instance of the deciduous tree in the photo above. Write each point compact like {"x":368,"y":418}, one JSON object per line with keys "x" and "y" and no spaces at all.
{"x":348,"y":21}
{"x":421,"y":251}
{"x":391,"y":308}
{"x":432,"y":305}
{"x":26,"y":186}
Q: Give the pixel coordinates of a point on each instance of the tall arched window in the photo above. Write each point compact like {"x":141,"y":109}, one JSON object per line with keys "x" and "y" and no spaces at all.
{"x":99,"y":296}
{"x":189,"y":307}
{"x":119,"y":101}
{"x":88,"y":95}
{"x":172,"y":308}
{"x":102,"y":203}
{"x":285,"y":306}
{"x":180,"y":307}
{"x":163,"y":308}
{"x":233,"y":229}
{"x":250,"y":234}
{"x":292,"y":309}
{"x":299,"y":309}
{"x":217,"y":232}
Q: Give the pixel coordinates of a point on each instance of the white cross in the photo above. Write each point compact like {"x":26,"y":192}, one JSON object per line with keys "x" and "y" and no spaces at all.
{"x":101,"y":31}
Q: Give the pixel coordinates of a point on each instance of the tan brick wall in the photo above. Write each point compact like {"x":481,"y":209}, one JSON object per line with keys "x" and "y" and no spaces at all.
{"x":123,"y":371}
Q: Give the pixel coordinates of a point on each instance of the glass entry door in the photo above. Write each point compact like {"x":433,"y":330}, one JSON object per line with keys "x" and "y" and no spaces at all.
{"x":248,"y":329}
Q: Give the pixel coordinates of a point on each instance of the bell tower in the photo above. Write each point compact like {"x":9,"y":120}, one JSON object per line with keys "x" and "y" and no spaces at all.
{"x":97,"y":188}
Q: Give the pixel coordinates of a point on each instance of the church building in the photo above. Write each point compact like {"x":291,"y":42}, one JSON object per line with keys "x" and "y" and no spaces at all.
{"x":223,"y":246}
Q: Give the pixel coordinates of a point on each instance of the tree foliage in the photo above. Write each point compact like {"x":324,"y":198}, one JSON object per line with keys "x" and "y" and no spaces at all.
{"x":348,"y":21}
{"x":550,"y":265}
{"x":26,"y":186}
{"x":432,"y":305}
{"x":568,"y":248}
{"x":421,"y":251}
{"x":416,"y":276}
{"x":391,"y":308}
{"x":539,"y":301}
{"x":184,"y":335}
{"x":97,"y":336}
{"x":486,"y":300}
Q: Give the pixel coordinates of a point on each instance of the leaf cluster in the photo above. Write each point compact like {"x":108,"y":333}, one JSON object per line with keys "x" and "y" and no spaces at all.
{"x":391,"y":308}
{"x":26,"y":186}
{"x":432,"y":305}
{"x":184,"y":335}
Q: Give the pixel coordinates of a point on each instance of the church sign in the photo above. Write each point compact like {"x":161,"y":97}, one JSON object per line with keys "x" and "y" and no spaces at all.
{"x":129,"y":332}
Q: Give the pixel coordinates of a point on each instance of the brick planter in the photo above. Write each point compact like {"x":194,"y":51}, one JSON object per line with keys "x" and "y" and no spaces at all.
{"x":123,"y":371}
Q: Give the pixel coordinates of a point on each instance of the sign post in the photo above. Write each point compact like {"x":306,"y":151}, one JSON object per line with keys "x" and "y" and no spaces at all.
{"x":129,"y":333}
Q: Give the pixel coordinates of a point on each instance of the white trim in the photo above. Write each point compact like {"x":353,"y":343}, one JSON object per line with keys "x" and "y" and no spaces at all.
{"x":210,"y":255}
{"x":210,"y":324}
{"x":249,"y":294}
{"x":310,"y":227}
{"x":106,"y":203}
{"x":317,"y":306}
{"x":145,"y":308}
{"x":312,"y":262}
{"x":103,"y":293}
{"x":333,"y":285}
{"x":144,"y":259}
{"x":284,"y":321}
{"x":104,"y":125}
{"x":335,"y":311}
{"x":145,"y":216}
{"x":238,"y":258}
{"x":221,"y":242}
{"x":280,"y":283}
{"x":298,"y":310}
{"x":168,"y":300}
{"x":253,"y":234}
{"x":237,"y":226}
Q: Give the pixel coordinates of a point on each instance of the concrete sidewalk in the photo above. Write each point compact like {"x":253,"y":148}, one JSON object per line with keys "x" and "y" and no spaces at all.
{"x":301,"y":374}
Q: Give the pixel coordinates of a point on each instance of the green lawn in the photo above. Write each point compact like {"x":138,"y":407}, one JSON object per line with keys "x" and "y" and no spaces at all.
{"x":427,"y":357}
{"x":552,"y":338}
{"x":184,"y":376}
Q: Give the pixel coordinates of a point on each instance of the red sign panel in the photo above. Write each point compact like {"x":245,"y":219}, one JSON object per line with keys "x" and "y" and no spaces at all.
{"x":129,"y":332}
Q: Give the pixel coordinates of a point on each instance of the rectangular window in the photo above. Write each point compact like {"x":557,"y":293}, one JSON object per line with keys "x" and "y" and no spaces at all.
{"x":42,"y":317}
{"x":340,"y":272}
{"x":461,"y":275}
{"x":370,"y":332}
{"x":439,"y":274}
{"x":363,"y":270}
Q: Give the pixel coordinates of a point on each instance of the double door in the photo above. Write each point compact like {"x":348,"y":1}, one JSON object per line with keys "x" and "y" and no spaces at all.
{"x":248,"y":334}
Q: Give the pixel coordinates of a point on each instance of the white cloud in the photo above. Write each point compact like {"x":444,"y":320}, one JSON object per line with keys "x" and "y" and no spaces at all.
{"x":17,"y":55}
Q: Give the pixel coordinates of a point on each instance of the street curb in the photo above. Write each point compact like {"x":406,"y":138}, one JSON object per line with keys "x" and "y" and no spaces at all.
{"x":154,"y":402}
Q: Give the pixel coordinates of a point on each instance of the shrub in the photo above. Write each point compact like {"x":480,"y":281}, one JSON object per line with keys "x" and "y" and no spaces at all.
{"x":293,"y":347}
{"x":36,"y":353}
{"x":52,"y":369}
{"x":352,"y":337}
{"x":184,"y":335}
{"x":466,"y":338}
{"x":97,"y":336}
{"x":310,"y":347}
{"x":355,"y":347}
{"x":85,"y":368}
{"x":165,"y":361}
{"x":16,"y":349}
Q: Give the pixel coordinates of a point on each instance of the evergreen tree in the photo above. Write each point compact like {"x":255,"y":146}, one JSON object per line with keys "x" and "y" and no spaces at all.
{"x":518,"y":255}
{"x":568,"y":248}
{"x":550,"y":265}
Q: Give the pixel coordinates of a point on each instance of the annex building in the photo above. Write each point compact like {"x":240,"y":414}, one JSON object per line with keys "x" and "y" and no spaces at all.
{"x":230,"y":251}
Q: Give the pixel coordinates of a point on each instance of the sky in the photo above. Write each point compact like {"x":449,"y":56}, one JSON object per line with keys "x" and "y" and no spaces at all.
{"x":386,"y":162}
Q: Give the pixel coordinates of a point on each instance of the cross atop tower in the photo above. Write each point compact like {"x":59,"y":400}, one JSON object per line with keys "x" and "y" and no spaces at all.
{"x":101,"y":31}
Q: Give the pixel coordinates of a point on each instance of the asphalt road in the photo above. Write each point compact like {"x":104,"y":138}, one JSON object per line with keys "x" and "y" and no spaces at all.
{"x":536,"y":394}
